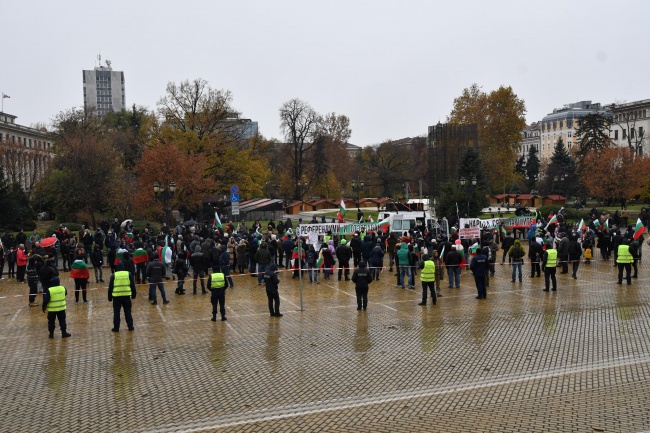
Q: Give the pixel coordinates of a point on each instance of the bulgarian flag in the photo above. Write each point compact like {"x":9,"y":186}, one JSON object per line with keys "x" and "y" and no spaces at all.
{"x":582,"y":226}
{"x":217,"y":221}
{"x":384,"y":224}
{"x":140,"y":256}
{"x":370,"y":220}
{"x":607,"y":224}
{"x":79,"y":269}
{"x":119,"y":256}
{"x":553,"y":220}
{"x":341,"y":214}
{"x":639,"y":229}
{"x":597,"y":223}
{"x":320,"y":261}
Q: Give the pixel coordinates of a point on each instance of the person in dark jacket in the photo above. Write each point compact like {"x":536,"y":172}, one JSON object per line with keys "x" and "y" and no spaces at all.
{"x":506,"y":243}
{"x":563,"y":253}
{"x":343,"y":254}
{"x":391,"y":242}
{"x":362,"y":278}
{"x":575,"y":253}
{"x":54,"y":304}
{"x":97,"y":259}
{"x":479,"y":267}
{"x":535,"y":252}
{"x":376,"y":259}
{"x":156,"y":271}
{"x":263,"y":260}
{"x":453,"y":259}
{"x":366,"y":248}
{"x":271,"y":281}
{"x":224,"y":263}
{"x":180,"y":269}
{"x":355,"y":246}
{"x":198,"y":267}
{"x":33,"y":265}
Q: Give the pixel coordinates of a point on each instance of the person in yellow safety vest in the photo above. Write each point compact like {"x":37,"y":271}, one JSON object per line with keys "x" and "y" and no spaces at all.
{"x":121,"y":289}
{"x":428,"y":278}
{"x":624,"y":260}
{"x":218,"y":285}
{"x":54,"y":303}
{"x":549,"y":264}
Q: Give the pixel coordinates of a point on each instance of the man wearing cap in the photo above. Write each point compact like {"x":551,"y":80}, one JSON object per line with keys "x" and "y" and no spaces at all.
{"x":479,"y":267}
{"x":343,"y":256}
{"x":217,"y":284}
{"x":54,"y":303}
{"x":549,"y":264}
{"x":355,"y":246}
{"x":121,"y":289}
{"x":428,"y":278}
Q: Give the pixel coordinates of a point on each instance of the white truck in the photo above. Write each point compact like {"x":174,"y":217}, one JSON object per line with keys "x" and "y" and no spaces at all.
{"x":400,"y":222}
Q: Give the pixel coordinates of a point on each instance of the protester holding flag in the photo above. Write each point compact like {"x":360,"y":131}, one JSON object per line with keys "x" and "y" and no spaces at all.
{"x":140,"y":259}
{"x":79,"y":272}
{"x":341,"y":213}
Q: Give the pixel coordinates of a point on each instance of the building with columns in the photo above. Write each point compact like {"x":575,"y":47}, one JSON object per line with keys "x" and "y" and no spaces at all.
{"x":25,"y":153}
{"x":629,"y":125}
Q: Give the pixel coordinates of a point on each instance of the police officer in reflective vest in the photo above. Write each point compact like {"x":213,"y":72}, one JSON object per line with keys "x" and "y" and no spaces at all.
{"x":428,"y":278}
{"x":549,"y":263}
{"x":624,"y":260}
{"x":54,"y":302}
{"x":121,"y":289}
{"x":218,"y":285}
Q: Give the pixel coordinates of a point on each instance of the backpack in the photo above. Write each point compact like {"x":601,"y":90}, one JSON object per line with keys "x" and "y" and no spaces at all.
{"x":517,"y":253}
{"x":311,"y":257}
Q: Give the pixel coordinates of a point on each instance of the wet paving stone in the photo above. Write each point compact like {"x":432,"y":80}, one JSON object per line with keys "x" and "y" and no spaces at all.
{"x":523,"y":360}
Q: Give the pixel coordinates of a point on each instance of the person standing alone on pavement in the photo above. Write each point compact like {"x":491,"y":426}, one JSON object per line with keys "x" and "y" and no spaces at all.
{"x":362,"y":279}
{"x":549,"y":264}
{"x":272,"y":281}
{"x":479,"y":267}
{"x":428,"y":278}
{"x":156,"y":271}
{"x":121,"y":289}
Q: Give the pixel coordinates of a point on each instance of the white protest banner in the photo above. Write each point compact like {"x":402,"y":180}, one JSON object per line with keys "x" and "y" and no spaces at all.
{"x":469,"y":232}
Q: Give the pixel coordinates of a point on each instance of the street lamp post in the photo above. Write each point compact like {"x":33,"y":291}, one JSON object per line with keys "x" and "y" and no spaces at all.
{"x":466,"y":183}
{"x":357,"y":186}
{"x":164,"y":195}
{"x":560,"y":179}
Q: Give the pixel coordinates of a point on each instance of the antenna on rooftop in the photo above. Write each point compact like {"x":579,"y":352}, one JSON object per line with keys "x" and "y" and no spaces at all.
{"x":99,"y":59}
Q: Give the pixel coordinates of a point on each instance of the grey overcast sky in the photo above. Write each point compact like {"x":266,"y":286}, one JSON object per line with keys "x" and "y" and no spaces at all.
{"x":393,"y":67}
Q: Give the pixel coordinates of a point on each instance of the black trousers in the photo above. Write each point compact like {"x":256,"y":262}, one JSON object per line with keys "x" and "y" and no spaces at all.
{"x":535,"y":268}
{"x":274,"y":302}
{"x":33,"y":291}
{"x":628,"y":272}
{"x":564,"y":262}
{"x":431,"y":285}
{"x":362,"y":298}
{"x":346,"y":266}
{"x":80,"y":285}
{"x":120,"y":302}
{"x":20,"y":276}
{"x":52,"y":316}
{"x":218,"y":298}
{"x":549,"y":275}
{"x":479,"y":280}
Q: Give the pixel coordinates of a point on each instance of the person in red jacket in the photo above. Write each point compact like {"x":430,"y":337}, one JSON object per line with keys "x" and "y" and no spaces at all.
{"x":21,"y":263}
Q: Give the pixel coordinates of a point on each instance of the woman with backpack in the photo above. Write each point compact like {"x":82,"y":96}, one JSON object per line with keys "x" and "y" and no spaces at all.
{"x":311,"y":259}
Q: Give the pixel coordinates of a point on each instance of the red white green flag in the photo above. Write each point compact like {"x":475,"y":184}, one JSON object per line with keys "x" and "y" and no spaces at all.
{"x":582,"y":226}
{"x":79,"y":269}
{"x":321,"y":260}
{"x":140,"y":256}
{"x":119,"y":256}
{"x":341,"y":214}
{"x":639,"y":229}
{"x":384,"y":224}
{"x":551,"y":221}
{"x":217,"y":220}
{"x":597,"y":223}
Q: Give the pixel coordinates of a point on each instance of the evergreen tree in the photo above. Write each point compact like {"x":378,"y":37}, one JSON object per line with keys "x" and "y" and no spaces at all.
{"x":561,"y":176}
{"x":470,"y":168}
{"x":532,"y":167}
{"x":520,"y":166}
{"x":592,"y":134}
{"x":15,"y":211}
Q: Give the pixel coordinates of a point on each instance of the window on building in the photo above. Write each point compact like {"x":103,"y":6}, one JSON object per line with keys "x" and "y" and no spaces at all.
{"x":568,"y":144}
{"x":616,"y":134}
{"x":569,"y":134}
{"x":624,"y":134}
{"x":632,"y":132}
{"x":561,"y":123}
{"x":640,"y":131}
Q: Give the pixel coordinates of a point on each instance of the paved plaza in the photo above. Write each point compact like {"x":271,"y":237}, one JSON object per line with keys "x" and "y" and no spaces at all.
{"x":524,"y":360}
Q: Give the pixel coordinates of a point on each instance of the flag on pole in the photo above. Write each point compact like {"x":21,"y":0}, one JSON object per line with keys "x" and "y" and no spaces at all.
{"x":341,"y":214}
{"x":551,"y":221}
{"x":79,"y":269}
{"x":384,"y":224}
{"x":597,"y":223}
{"x":370,"y":220}
{"x":607,"y":224}
{"x":457,"y":212}
{"x":320,"y":261}
{"x":5,"y":96}
{"x":639,"y":229}
{"x":582,"y":225}
{"x":217,"y":221}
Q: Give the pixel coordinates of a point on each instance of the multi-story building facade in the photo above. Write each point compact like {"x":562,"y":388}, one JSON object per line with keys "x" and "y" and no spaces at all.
{"x":629,"y":124}
{"x":25,"y":153}
{"x":104,"y":89}
{"x":530,"y":137}
{"x":562,"y":123}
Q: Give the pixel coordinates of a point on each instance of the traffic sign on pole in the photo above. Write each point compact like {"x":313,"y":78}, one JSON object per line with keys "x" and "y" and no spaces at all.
{"x":234,"y":198}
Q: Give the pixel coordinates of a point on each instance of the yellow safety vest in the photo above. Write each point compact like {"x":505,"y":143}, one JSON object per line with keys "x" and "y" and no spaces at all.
{"x":57,"y":299}
{"x":217,"y":280}
{"x":121,"y":284}
{"x":623,"y":254}
{"x":551,"y":260}
{"x":428,"y":273}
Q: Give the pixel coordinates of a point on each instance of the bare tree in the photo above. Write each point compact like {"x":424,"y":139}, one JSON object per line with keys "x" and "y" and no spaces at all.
{"x":299,"y":123}
{"x":633,"y":136}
